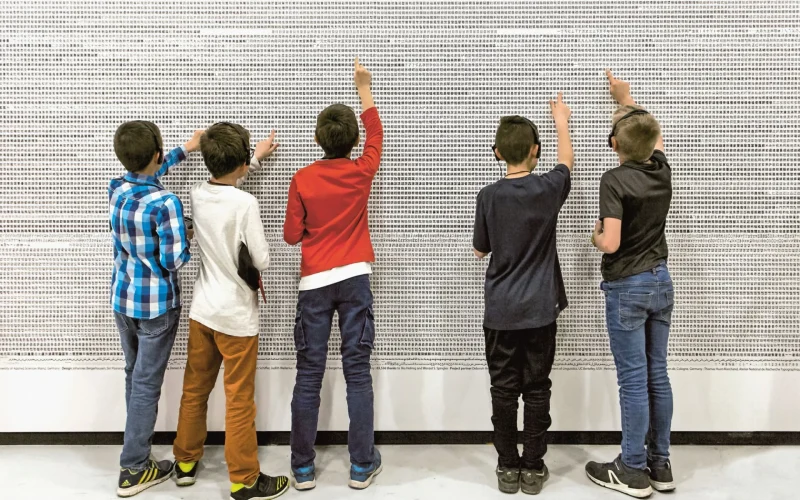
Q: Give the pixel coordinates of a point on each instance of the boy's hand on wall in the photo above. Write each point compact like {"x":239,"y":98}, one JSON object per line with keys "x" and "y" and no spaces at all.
{"x":620,"y":90}
{"x":266,"y":147}
{"x":193,"y":144}
{"x":560,"y":110}
{"x":362,"y":77}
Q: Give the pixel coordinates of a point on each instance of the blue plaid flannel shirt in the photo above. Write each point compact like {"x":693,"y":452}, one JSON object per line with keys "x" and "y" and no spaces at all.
{"x":150,"y":242}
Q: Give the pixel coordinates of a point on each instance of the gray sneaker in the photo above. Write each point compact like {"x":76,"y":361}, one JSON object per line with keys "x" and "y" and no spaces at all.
{"x":661,"y":476}
{"x":507,"y":479}
{"x":532,"y":480}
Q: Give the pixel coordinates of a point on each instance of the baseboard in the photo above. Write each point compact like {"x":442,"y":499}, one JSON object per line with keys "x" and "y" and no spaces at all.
{"x":412,"y":438}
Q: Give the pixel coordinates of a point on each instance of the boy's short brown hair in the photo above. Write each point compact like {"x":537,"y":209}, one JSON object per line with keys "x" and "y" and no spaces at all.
{"x":514,"y":139}
{"x":636,"y":135}
{"x":225,"y":147}
{"x":337,"y":131}
{"x":135,"y":144}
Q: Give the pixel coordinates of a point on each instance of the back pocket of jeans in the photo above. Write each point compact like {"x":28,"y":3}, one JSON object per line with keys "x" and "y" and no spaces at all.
{"x":368,"y":333}
{"x":299,"y":333}
{"x":666,"y":313}
{"x":634,"y":309}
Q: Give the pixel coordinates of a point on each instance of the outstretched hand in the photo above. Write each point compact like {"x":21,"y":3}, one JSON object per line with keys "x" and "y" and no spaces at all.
{"x":620,"y":89}
{"x":193,"y":144}
{"x":266,"y":147}
{"x":362,"y":77}
{"x":559,"y":109}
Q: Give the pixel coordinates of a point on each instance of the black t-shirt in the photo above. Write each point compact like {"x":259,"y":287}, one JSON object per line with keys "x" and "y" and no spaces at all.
{"x":515,"y":220}
{"x":638,"y":194}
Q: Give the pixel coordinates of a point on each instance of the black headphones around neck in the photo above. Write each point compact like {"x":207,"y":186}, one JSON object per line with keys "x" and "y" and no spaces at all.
{"x":152,"y":130}
{"x":245,"y":143}
{"x":627,"y":115}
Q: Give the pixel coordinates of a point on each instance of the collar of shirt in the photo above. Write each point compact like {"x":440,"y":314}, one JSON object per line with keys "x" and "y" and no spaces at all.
{"x":135,"y":178}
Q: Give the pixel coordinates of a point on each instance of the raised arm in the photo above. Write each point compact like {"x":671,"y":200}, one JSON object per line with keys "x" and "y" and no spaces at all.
{"x":621,"y":92}
{"x":177,"y":155}
{"x":370,"y":159}
{"x":561,"y":114}
{"x":264,"y":150}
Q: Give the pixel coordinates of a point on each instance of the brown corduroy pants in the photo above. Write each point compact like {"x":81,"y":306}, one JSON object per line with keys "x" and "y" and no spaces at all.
{"x":207,"y":350}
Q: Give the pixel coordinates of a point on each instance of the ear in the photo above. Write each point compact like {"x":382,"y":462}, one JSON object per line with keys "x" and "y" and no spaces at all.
{"x":316,"y":140}
{"x":614,"y":144}
{"x":499,"y":154}
{"x":534,"y":150}
{"x":358,"y":139}
{"x":154,"y":159}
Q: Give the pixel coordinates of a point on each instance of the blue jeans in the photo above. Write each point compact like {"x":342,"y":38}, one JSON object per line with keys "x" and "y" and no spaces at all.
{"x":352,"y":299}
{"x":147,"y":344}
{"x":638,"y":316}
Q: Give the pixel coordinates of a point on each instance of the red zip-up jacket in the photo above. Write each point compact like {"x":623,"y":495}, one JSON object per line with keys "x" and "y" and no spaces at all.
{"x":327,"y":207}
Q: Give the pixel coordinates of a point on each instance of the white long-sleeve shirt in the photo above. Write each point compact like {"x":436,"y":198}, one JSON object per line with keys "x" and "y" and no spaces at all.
{"x":225,"y":217}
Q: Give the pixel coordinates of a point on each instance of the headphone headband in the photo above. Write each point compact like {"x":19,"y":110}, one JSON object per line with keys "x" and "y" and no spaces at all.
{"x":160,"y":150}
{"x":245,"y":142}
{"x":626,"y":116}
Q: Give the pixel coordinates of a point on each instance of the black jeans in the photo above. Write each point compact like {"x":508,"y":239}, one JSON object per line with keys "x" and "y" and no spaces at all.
{"x":519,"y":363}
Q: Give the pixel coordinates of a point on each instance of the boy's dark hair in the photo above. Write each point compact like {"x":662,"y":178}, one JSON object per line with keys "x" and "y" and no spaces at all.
{"x":514,"y":139}
{"x":337,"y":131}
{"x":223,"y":147}
{"x":636,"y":135}
{"x":135,"y":144}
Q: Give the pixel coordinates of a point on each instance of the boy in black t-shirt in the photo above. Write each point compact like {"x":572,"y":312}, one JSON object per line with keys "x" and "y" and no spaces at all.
{"x":515,"y":221}
{"x":634,"y":203}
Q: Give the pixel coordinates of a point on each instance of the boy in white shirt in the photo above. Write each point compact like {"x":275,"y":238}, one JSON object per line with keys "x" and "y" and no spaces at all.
{"x":224,"y":318}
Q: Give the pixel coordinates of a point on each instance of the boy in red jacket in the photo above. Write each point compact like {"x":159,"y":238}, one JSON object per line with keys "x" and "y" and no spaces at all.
{"x":327,"y":211}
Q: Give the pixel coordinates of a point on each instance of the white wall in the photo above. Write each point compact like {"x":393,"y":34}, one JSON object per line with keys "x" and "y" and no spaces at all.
{"x":721,"y":76}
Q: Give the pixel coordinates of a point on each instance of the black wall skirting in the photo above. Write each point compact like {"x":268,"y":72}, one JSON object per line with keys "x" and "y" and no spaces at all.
{"x":410,"y":438}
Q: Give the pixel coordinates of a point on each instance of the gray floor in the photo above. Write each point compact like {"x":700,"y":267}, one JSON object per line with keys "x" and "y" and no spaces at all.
{"x":410,"y":473}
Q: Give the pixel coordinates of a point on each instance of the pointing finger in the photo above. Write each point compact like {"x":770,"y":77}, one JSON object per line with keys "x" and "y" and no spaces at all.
{"x":610,"y":76}
{"x":561,"y":97}
{"x":356,"y":62}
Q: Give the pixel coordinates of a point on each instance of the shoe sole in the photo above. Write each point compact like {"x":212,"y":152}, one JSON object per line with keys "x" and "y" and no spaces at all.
{"x":185,"y":481}
{"x":360,"y":485}
{"x":670,"y":486}
{"x":135,"y":490}
{"x":276,"y":495}
{"x":622,"y":488}
{"x":537,"y":491}
{"x":509,"y":488}
{"x":305,"y":485}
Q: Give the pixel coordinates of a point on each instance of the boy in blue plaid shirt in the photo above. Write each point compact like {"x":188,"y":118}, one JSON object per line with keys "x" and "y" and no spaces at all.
{"x":151,"y":242}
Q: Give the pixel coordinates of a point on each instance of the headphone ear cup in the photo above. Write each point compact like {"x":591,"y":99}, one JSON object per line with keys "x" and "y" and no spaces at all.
{"x":538,"y":150}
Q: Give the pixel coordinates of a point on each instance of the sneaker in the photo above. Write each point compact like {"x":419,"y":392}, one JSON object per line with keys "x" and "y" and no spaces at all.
{"x":186,"y":473}
{"x":661,"y":476}
{"x":507,"y":479}
{"x":532,"y":480}
{"x":618,"y":476}
{"x":304,"y":478}
{"x":133,"y":482}
{"x":361,"y":477}
{"x":265,"y":488}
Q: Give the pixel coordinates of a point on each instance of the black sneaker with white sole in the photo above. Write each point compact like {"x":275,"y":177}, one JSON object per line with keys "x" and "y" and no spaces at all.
{"x":133,"y":482}
{"x":661,"y":476}
{"x":186,"y":473}
{"x":531,"y":480}
{"x":618,"y":476}
{"x":507,"y":479}
{"x":265,"y":488}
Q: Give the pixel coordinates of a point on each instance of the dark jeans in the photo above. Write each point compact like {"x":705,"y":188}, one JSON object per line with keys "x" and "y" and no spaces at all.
{"x":352,"y":299}
{"x":147,"y":344}
{"x":638,"y":316}
{"x":519,"y":363}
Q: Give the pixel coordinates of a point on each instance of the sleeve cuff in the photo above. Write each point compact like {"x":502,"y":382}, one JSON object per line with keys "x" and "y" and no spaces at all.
{"x":564,"y":168}
{"x":370,"y":114}
{"x":610,"y":216}
{"x":183,"y":149}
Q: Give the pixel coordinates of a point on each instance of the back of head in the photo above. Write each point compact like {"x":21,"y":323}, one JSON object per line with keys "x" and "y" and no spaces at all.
{"x":225,"y":147}
{"x":135,"y":144}
{"x":514,"y":139}
{"x":636,"y":135}
{"x":337,"y":131}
